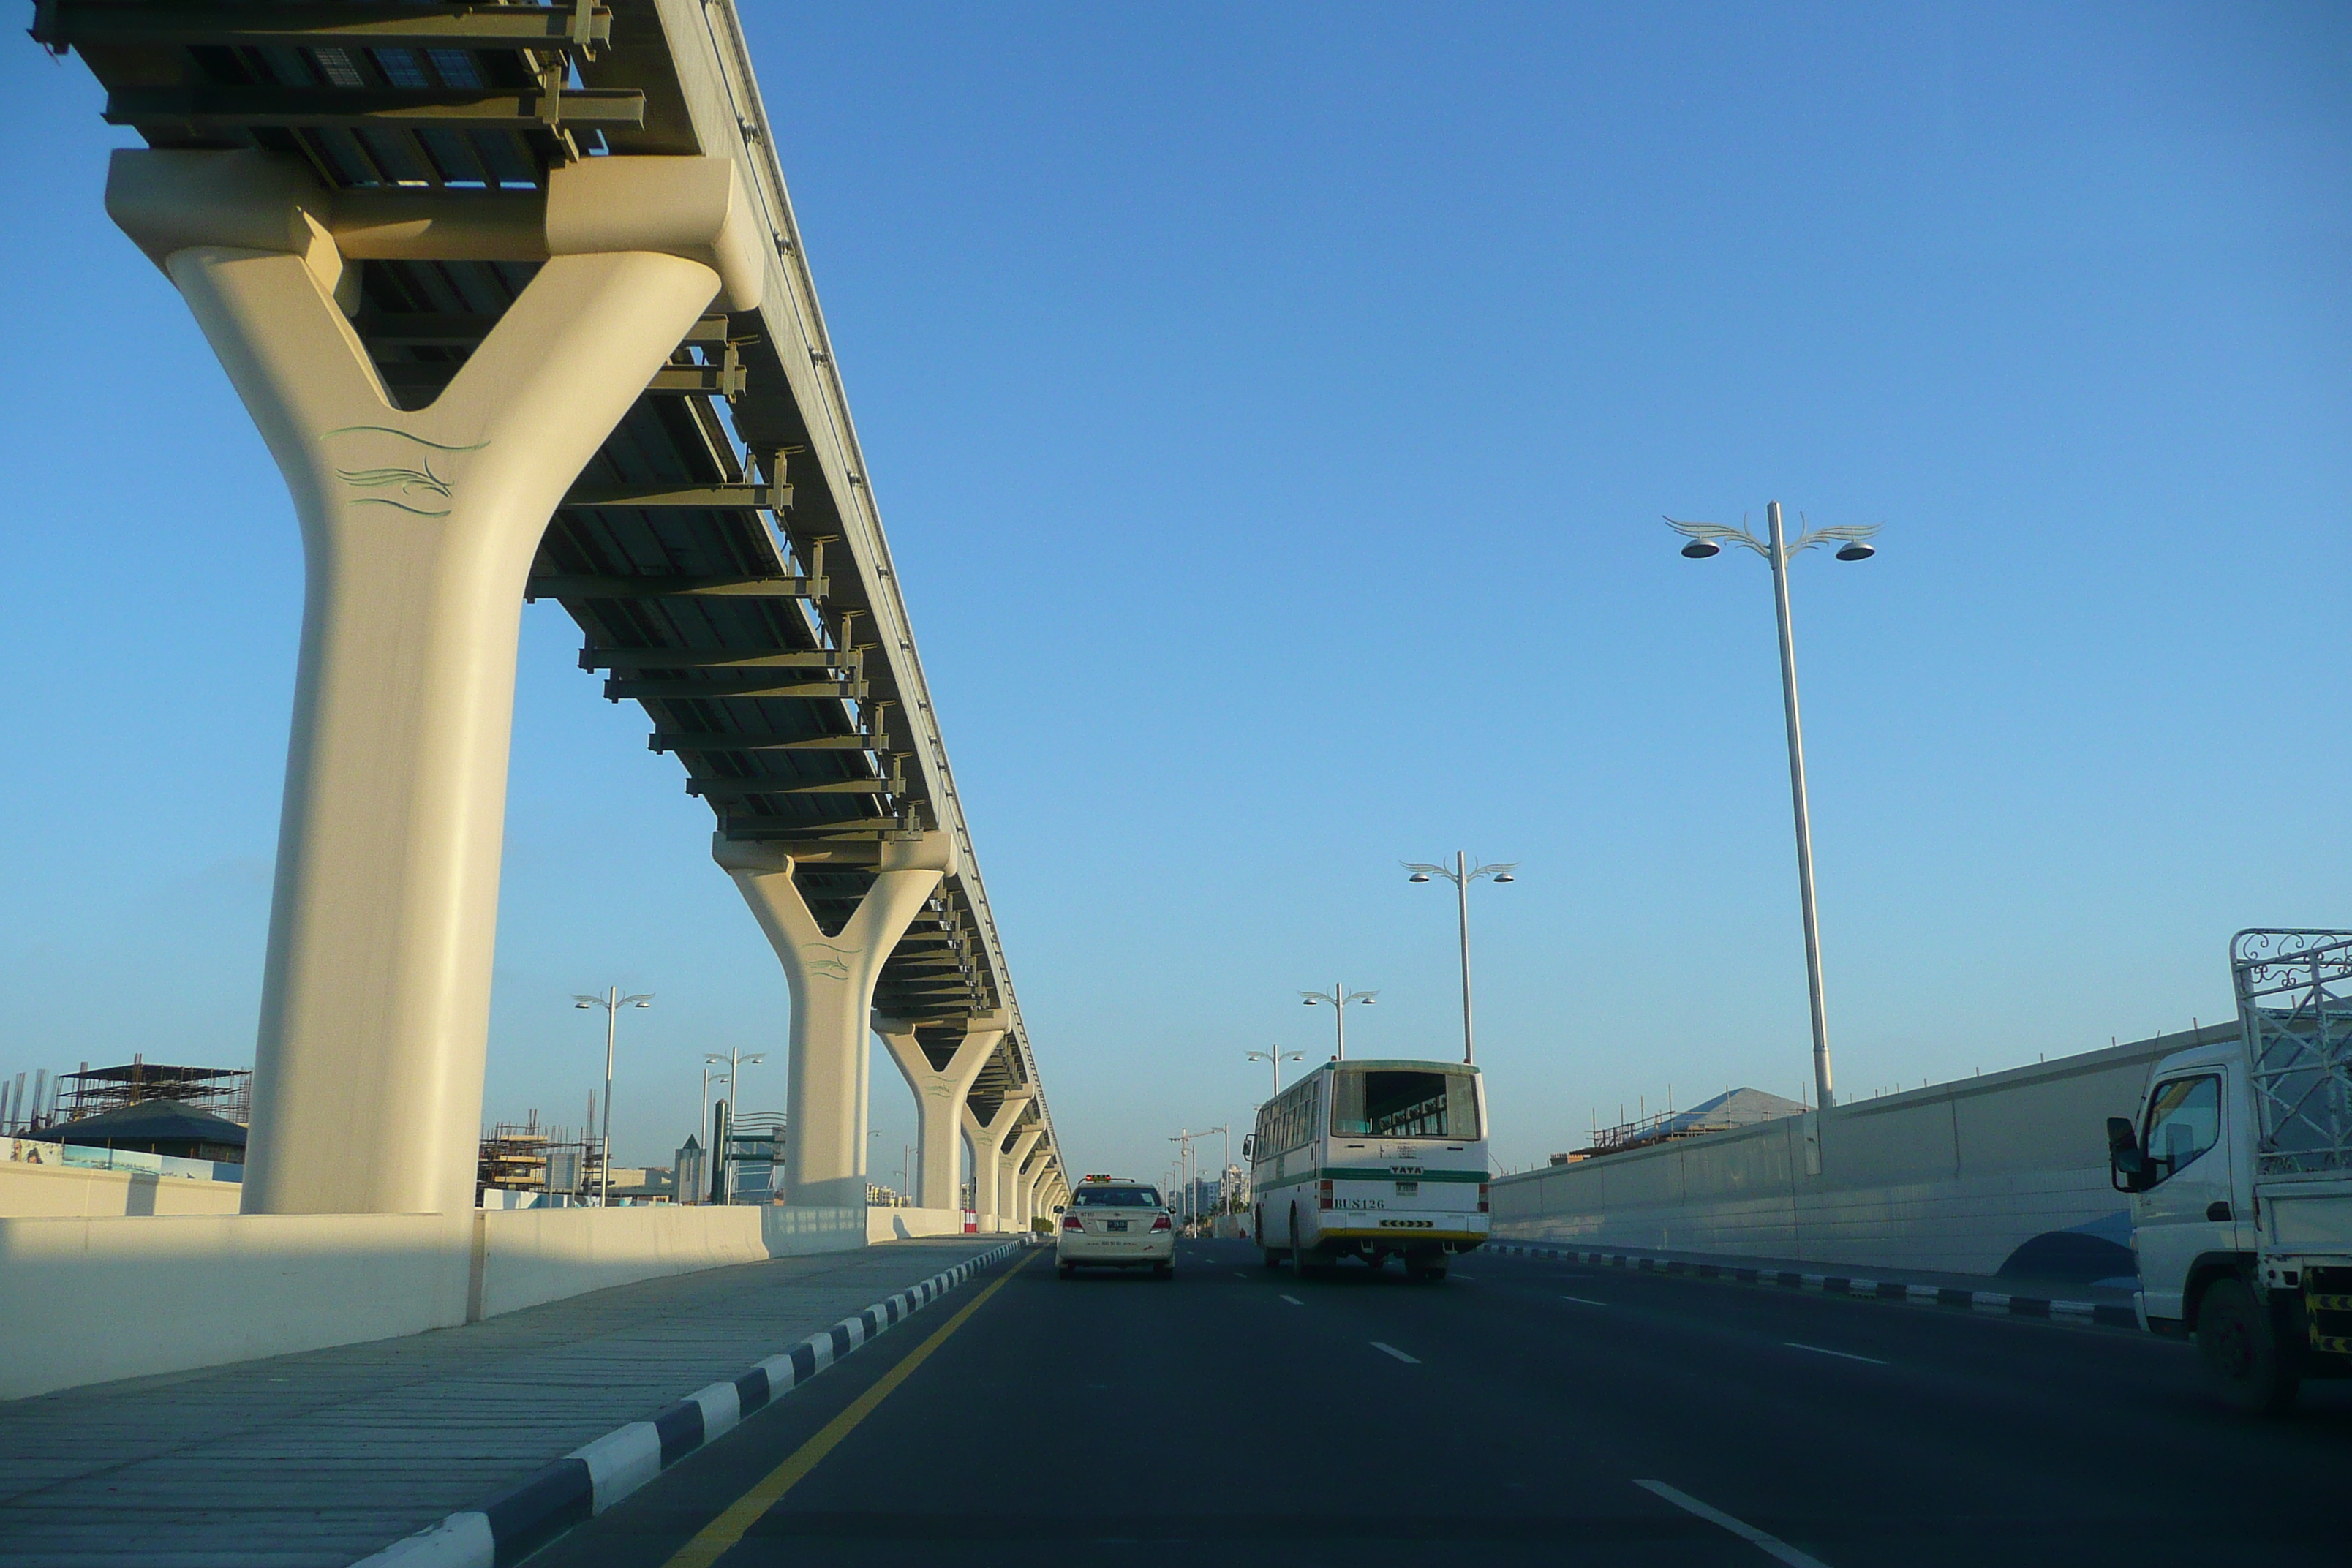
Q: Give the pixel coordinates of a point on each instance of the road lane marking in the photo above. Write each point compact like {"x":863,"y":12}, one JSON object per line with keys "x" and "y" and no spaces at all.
{"x":715,"y":1539}
{"x":1472,"y":1278}
{"x":1391,"y":1350}
{"x":1584,"y":1301}
{"x":1771,"y":1545}
{"x":1294,"y":1300}
{"x":1841,"y":1355}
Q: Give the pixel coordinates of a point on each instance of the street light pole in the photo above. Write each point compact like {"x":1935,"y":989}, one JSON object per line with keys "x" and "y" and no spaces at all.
{"x":1274,"y":1056}
{"x":1798,"y":805}
{"x":1707,"y":539}
{"x":1338,"y":998}
{"x":1462,"y":875}
{"x":612,"y":1002}
{"x":736,"y":1062}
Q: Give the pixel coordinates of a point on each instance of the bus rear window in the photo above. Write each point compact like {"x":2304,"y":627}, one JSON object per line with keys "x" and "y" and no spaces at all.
{"x":1400,"y":1104}
{"x":1116,"y":1198}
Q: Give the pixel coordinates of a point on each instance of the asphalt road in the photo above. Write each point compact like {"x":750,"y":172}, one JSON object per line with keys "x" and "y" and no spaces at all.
{"x":1526,"y":1411}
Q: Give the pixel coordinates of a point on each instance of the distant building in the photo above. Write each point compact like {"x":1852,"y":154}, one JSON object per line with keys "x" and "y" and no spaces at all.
{"x":224,"y":1092}
{"x":157,"y":1126}
{"x":643,"y":1185}
{"x":47,"y":1104}
{"x":531,"y":1156}
{"x":1200,"y":1197}
{"x":755,"y":1146}
{"x":692,"y":1183}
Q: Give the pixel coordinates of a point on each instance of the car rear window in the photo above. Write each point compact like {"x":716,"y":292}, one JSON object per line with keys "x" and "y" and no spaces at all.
{"x":1117,"y":1198}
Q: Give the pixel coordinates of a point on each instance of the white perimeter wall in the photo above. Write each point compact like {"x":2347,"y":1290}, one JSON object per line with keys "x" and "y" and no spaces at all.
{"x":73,"y":1190}
{"x":87,"y":1299}
{"x":1954,"y":1177}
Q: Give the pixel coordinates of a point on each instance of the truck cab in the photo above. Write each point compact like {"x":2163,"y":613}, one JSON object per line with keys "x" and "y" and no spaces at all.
{"x":2193,"y":1199}
{"x":2240,"y":1167}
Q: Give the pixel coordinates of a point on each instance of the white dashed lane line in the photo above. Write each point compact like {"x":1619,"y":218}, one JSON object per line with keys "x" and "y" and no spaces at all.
{"x":1841,"y":1355}
{"x":1584,"y":1301}
{"x":1772,"y":1546}
{"x":1391,"y":1350}
{"x":1294,"y":1300}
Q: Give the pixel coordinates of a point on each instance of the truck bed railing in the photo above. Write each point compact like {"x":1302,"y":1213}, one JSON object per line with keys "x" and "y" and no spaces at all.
{"x":2295,"y":1006}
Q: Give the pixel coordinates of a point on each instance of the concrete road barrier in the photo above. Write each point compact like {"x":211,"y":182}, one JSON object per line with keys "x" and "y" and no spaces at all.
{"x":89,"y":1300}
{"x":2004,"y":1170}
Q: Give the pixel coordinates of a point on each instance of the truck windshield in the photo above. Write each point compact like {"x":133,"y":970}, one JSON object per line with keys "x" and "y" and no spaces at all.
{"x":1389,"y":1102}
{"x":1117,"y":1198}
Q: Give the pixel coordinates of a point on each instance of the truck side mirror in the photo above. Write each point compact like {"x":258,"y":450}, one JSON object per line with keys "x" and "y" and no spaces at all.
{"x":2127,"y":1167}
{"x":1249,"y":1142}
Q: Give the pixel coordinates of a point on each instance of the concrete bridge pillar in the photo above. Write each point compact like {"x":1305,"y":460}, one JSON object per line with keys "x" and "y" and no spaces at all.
{"x":1040,"y":1183}
{"x":832,"y":978}
{"x":1016,"y":1156}
{"x":987,"y":1138}
{"x":418,"y":531}
{"x":939,"y":1094}
{"x":1025,"y":1186}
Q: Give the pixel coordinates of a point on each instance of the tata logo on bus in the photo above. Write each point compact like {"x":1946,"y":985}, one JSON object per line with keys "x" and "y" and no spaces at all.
{"x":1404,"y":1170}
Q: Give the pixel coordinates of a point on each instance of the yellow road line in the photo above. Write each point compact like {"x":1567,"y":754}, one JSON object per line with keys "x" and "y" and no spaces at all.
{"x":729,"y":1528}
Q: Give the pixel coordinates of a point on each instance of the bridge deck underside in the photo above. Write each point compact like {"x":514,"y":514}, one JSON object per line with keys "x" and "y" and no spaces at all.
{"x":695,"y":561}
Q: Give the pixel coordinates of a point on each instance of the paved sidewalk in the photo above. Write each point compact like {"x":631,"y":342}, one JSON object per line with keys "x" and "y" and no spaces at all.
{"x":318,"y":1460}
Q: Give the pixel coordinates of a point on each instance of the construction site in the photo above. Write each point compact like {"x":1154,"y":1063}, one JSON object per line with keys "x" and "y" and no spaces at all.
{"x":1734,"y":1108}
{"x":46,"y":1104}
{"x":530,"y":1156}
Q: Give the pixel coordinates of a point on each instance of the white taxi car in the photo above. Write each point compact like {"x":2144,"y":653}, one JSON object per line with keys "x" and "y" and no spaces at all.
{"x":1113,"y":1223}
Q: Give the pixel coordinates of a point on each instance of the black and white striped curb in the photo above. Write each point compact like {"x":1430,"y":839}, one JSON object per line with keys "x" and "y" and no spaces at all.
{"x":590,"y":1479}
{"x":1847,"y":1285}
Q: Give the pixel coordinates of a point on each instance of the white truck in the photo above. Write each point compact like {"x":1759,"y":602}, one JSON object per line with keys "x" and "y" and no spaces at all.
{"x":2240,"y":1167}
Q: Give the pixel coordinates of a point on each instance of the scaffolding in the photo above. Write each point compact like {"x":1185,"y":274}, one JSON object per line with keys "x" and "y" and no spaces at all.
{"x":1726,"y":1113}
{"x":92,"y":1091}
{"x":528,"y":1157}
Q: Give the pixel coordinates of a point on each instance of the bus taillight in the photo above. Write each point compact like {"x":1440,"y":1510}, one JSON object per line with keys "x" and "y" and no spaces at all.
{"x":1323,"y":1200}
{"x":1481,"y":1197}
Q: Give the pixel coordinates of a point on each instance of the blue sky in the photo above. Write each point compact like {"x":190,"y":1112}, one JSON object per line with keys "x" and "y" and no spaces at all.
{"x":1272,"y":409}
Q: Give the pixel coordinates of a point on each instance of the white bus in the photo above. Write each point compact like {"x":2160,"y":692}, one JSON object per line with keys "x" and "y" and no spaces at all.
{"x":1371,"y":1159}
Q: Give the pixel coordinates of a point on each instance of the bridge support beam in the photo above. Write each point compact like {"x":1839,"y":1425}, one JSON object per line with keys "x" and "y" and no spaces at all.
{"x":418,"y":530}
{"x":938,"y":1098}
{"x":832,"y":976}
{"x":987,"y":1138}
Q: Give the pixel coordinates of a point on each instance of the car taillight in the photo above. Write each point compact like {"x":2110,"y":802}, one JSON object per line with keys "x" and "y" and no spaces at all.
{"x":1481,"y":1197}
{"x":1070,"y":1222}
{"x":1323,"y":1199}
{"x":1161,"y":1224}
